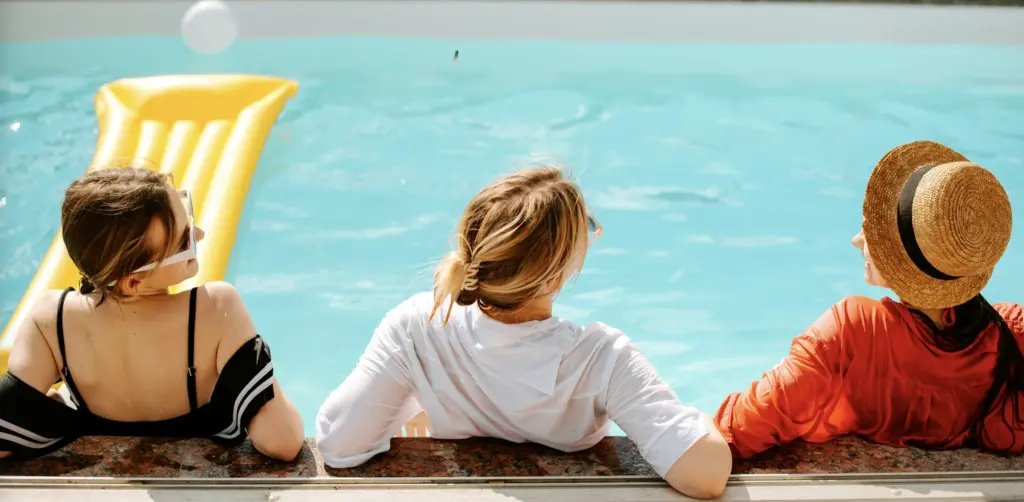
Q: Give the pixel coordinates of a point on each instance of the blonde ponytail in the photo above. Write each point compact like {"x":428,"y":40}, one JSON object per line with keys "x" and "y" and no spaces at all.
{"x":517,"y":239}
{"x":456,"y":281}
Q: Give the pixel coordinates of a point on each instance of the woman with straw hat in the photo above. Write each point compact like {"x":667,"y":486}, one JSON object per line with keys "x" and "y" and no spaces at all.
{"x":940,"y":367}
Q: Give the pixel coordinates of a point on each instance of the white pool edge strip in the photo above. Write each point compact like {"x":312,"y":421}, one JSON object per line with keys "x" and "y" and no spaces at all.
{"x":735,"y":479}
{"x":204,"y":490}
{"x":626,"y":21}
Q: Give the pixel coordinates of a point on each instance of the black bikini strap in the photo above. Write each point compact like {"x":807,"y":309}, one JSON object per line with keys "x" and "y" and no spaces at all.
{"x":192,"y":400}
{"x":60,"y":331}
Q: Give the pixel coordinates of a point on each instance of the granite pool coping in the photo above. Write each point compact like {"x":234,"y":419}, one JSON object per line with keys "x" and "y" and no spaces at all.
{"x":614,"y":457}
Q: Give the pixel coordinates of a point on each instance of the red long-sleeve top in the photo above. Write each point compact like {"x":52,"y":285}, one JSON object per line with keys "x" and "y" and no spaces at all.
{"x":871,"y":368}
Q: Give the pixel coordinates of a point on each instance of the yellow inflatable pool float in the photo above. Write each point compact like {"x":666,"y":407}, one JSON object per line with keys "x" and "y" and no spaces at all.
{"x":207,"y":131}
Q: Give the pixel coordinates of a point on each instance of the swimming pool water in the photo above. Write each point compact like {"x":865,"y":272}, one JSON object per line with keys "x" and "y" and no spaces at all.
{"x":728,"y":178}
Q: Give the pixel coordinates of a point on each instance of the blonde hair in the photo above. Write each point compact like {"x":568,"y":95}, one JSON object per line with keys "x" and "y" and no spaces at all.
{"x":515,"y":238}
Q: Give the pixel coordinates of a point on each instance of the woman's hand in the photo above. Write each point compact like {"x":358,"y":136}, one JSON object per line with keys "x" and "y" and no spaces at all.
{"x":55,"y":394}
{"x":417,"y":427}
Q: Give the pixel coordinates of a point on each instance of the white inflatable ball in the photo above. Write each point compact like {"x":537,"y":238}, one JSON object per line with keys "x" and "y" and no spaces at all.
{"x":209,"y":27}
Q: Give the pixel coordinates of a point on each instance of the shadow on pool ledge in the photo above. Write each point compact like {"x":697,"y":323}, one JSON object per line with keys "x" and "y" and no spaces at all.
{"x":615,"y":456}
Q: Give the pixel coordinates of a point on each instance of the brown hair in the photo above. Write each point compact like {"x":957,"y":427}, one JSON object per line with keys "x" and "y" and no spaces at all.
{"x":514,"y":238}
{"x":104,"y":220}
{"x":969,"y":321}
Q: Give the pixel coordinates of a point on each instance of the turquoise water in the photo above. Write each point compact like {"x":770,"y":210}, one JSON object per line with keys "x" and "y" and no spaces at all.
{"x":728,"y":178}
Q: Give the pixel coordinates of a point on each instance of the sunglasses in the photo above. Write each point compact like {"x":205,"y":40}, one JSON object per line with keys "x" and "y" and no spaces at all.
{"x":188,"y":242}
{"x":594,"y":228}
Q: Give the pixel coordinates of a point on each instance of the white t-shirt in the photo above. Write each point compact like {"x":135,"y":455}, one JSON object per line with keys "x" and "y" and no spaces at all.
{"x":550,"y":382}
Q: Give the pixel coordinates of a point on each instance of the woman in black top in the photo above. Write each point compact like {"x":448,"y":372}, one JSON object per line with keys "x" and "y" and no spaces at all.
{"x":137,"y":360}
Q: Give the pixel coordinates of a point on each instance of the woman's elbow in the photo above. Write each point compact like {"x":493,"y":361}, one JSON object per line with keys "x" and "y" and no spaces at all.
{"x":701,"y":492}
{"x":343,"y":447}
{"x":330,"y":443}
{"x":703,"y":472}
{"x":285,"y":447}
{"x":277,"y":433}
{"x":702,"y":489}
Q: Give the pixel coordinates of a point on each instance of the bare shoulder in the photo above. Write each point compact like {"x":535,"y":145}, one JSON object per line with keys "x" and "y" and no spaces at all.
{"x":34,"y":358}
{"x":44,"y":308}
{"x":44,"y":313}
{"x":222,"y":297}
{"x":221,"y":309}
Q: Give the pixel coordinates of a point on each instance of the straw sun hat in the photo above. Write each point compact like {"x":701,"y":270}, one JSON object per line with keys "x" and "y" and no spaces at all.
{"x":935,"y":224}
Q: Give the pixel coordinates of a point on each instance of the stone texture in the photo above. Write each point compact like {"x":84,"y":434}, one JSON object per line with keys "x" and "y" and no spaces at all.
{"x":412,"y":457}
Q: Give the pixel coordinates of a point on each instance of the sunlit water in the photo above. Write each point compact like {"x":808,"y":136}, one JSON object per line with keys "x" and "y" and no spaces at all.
{"x":728,"y":178}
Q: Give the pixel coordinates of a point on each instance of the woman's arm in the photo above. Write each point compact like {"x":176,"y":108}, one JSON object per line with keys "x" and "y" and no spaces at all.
{"x":359,"y":418}
{"x":680,"y":442}
{"x":792,"y":399}
{"x":276,"y":430}
{"x":31,"y":359}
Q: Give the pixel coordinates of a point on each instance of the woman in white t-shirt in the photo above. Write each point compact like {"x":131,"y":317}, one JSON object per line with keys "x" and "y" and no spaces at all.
{"x":484,"y":356}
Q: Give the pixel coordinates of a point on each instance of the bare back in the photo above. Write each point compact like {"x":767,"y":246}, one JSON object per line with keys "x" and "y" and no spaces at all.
{"x":129,"y":359}
{"x":128,"y":373}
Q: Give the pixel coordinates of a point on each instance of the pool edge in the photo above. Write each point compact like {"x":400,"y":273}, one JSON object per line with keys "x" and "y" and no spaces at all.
{"x":606,"y":20}
{"x":934,"y":486}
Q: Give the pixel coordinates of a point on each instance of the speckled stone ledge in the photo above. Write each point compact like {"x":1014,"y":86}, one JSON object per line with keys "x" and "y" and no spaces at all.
{"x":615,"y":456}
